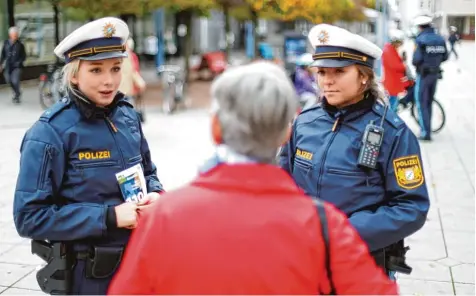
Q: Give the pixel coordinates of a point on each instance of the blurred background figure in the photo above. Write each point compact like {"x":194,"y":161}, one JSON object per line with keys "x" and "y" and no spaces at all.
{"x":452,"y":39}
{"x":305,"y":82}
{"x":395,"y":81}
{"x":11,"y":62}
{"x":132,"y":84}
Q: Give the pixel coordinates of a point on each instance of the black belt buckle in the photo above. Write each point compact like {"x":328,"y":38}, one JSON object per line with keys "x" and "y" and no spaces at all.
{"x":103,"y":262}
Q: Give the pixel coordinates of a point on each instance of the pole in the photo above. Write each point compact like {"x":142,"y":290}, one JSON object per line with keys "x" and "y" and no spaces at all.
{"x":159,"y":29}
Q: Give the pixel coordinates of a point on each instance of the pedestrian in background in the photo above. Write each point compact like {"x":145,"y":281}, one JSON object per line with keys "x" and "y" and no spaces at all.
{"x":394,"y":71}
{"x":12,"y":57}
{"x":430,"y":53}
{"x":132,"y":84}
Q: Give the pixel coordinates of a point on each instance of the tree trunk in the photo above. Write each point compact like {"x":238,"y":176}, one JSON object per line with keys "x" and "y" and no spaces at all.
{"x":254,"y":20}
{"x":56,"y":21}
{"x":226,"y":13}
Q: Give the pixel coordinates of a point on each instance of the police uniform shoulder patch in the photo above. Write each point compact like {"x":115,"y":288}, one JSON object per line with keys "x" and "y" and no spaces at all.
{"x":408,"y":171}
{"x":55,"y":109}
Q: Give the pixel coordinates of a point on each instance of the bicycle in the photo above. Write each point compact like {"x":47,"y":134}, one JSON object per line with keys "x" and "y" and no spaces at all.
{"x":51,"y":87}
{"x":173,"y":87}
{"x":438,"y":118}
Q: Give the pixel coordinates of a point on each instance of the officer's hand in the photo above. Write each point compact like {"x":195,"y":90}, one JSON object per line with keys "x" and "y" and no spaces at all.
{"x":126,"y":215}
{"x":148,"y":199}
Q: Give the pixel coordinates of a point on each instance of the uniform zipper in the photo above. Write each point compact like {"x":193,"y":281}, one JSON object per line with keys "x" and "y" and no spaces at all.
{"x":321,"y":169}
{"x":114,"y":131}
{"x":46,"y":158}
{"x":111,"y":124}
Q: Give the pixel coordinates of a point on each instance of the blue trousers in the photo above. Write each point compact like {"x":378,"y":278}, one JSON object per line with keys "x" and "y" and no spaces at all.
{"x":12,"y":76}
{"x":393,"y":103}
{"x":425,"y":89}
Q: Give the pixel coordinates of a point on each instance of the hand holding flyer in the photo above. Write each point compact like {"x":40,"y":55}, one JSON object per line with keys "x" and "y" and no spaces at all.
{"x":132,"y":183}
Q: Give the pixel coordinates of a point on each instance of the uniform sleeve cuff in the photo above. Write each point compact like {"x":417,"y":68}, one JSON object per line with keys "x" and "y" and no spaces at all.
{"x":111,"y":219}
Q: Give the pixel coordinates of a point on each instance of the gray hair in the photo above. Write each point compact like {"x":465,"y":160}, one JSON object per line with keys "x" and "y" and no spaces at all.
{"x":13,"y":30}
{"x":255,"y":105}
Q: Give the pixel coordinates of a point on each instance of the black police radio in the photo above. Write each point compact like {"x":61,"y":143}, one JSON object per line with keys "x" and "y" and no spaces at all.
{"x":371,"y":143}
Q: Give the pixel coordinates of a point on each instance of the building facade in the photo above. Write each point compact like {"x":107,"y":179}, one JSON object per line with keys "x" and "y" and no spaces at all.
{"x":446,"y":13}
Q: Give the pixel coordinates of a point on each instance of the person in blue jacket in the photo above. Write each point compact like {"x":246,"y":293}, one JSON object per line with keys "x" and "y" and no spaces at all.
{"x":430,"y":52}
{"x":386,"y":200}
{"x":67,"y":189}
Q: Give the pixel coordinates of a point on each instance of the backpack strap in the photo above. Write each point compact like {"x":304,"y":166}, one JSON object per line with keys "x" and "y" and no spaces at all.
{"x":321,"y":213}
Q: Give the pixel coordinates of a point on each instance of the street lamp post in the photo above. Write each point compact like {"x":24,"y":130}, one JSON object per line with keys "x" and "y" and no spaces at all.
{"x":382,"y":28}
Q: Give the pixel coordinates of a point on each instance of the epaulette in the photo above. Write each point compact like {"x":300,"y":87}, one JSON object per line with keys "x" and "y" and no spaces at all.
{"x":391,"y":117}
{"x":55,"y":109}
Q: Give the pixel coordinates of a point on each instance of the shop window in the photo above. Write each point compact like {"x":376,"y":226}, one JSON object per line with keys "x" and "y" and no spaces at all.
{"x":35,"y":20}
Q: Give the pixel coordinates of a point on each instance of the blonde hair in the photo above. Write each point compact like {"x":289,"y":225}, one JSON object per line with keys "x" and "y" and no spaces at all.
{"x":69,"y":71}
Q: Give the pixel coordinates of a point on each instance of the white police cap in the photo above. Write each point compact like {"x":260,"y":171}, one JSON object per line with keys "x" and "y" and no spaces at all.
{"x":101,"y":39}
{"x":336,"y":47}
{"x":422,"y":20}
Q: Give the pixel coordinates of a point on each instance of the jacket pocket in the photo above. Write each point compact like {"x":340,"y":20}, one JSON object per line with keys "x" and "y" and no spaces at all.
{"x":45,"y":164}
{"x":346,"y":173}
{"x":370,"y":178}
{"x":98,"y":164}
{"x":302,"y":164}
{"x":135,"y":159}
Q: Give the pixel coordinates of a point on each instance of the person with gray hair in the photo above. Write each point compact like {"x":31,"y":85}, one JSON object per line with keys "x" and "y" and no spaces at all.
{"x":12,"y":57}
{"x":243,"y":226}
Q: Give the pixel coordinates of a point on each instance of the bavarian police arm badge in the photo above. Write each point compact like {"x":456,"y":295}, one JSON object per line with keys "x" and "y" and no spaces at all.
{"x":408,"y":171}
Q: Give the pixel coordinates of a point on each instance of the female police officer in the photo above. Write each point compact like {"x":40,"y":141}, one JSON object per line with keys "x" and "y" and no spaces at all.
{"x":371,"y":172}
{"x":67,"y":189}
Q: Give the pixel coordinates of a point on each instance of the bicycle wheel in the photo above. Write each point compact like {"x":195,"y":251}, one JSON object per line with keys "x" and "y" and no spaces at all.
{"x":46,"y":96}
{"x":168,"y":102}
{"x":438,"y":116}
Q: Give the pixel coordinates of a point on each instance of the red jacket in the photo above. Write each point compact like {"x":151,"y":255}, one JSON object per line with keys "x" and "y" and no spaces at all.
{"x":393,"y":71}
{"x":243,"y":229}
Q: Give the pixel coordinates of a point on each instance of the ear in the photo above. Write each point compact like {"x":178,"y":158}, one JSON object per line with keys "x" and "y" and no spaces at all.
{"x":74,"y":79}
{"x":216,"y":130}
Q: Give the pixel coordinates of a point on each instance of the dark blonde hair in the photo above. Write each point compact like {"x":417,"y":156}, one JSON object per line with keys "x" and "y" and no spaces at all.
{"x":372,"y":86}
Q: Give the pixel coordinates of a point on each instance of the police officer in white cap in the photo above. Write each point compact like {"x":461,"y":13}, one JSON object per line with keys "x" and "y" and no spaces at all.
{"x":430,"y":52}
{"x":67,"y":189}
{"x":350,"y":150}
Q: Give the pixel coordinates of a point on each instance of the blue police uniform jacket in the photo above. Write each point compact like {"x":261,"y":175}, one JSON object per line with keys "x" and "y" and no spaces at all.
{"x":430,"y":50}
{"x":385,"y":204}
{"x":67,"y":188}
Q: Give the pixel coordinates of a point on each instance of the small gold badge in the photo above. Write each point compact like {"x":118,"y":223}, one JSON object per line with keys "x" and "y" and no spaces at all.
{"x":408,"y":172}
{"x":323,"y":37}
{"x":109,"y":30}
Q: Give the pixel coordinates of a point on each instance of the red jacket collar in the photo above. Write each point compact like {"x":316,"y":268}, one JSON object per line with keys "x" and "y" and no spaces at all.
{"x":253,"y":177}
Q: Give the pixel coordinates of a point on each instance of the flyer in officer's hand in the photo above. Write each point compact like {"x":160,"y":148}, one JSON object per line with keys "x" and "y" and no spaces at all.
{"x":132,"y":183}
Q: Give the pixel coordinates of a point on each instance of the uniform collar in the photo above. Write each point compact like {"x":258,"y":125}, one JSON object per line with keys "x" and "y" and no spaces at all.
{"x":251,"y":177}
{"x":351,"y":111}
{"x":427,"y":30}
{"x":88,"y":109}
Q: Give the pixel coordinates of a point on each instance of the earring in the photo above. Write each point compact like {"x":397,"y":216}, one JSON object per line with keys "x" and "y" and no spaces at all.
{"x":364,"y":82}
